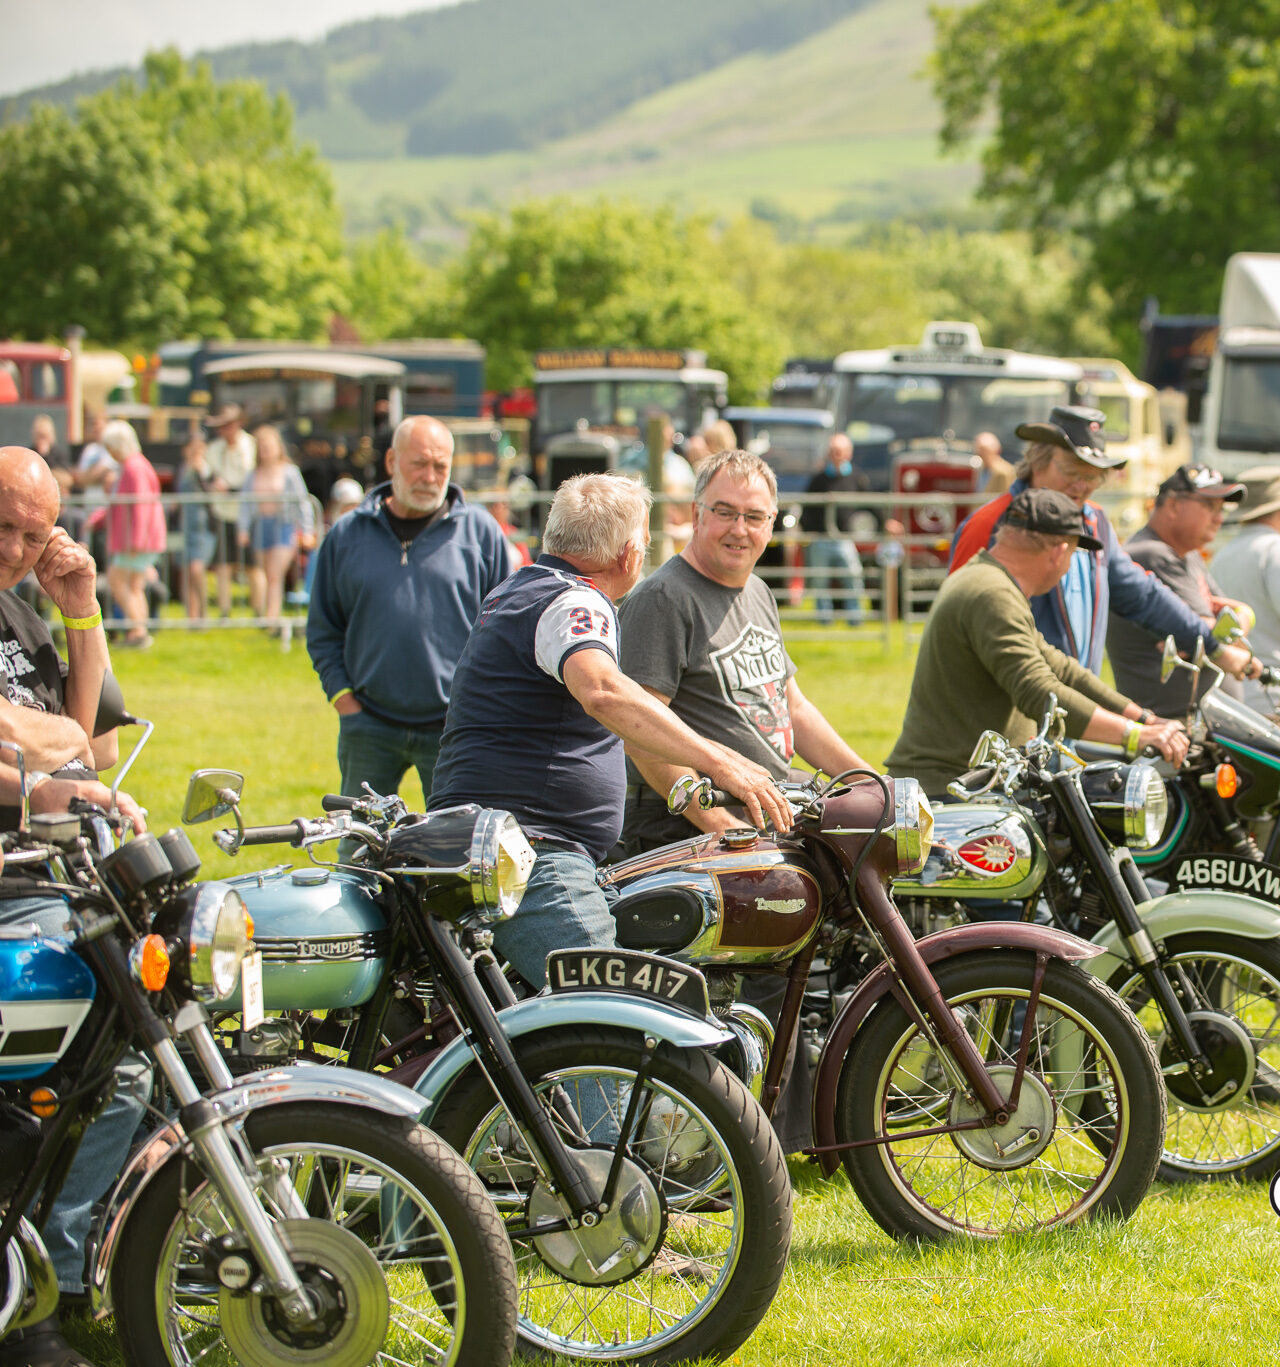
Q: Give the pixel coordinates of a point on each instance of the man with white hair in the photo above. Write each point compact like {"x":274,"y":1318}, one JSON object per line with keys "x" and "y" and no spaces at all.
{"x":398,"y":585}
{"x":540,"y":711}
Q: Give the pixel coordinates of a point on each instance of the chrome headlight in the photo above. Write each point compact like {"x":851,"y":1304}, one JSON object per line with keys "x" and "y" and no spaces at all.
{"x":501,"y":861}
{"x":912,"y":825}
{"x":1146,"y":807}
{"x":208,"y":931}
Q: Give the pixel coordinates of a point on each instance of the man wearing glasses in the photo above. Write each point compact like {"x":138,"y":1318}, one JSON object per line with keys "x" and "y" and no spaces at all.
{"x":702,"y":634}
{"x":1068,"y":454}
{"x":1186,"y":518}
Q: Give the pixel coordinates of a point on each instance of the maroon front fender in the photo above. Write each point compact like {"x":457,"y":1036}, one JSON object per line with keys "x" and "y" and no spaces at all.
{"x":944,"y":944}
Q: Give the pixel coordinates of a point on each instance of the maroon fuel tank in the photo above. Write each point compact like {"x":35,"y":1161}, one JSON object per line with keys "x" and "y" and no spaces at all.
{"x":739,"y":898}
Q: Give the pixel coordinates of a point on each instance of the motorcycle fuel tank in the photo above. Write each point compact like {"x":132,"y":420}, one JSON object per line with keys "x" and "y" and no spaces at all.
{"x":46,"y":991}
{"x":323,"y":936}
{"x":733,"y":900}
{"x":1253,"y":743}
{"x":980,"y":849}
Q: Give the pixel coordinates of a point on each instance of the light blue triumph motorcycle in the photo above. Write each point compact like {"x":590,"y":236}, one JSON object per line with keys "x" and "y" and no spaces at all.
{"x":300,"y":1215}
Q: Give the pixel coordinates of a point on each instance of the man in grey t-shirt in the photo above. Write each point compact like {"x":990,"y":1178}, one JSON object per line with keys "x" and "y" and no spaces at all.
{"x":702,"y":634}
{"x":1186,"y":518}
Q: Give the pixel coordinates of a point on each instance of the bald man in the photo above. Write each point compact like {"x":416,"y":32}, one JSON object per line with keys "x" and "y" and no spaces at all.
{"x":48,"y":708}
{"x":398,"y":586}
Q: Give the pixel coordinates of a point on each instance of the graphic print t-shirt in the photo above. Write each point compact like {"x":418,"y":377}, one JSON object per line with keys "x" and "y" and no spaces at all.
{"x":717,"y":653}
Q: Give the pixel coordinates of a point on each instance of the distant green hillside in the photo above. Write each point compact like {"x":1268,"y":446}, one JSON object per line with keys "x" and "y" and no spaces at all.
{"x":813,"y":111}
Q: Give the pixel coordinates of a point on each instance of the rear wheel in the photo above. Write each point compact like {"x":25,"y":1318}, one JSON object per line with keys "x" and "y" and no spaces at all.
{"x":1059,"y":1158}
{"x":1228,"y":1124}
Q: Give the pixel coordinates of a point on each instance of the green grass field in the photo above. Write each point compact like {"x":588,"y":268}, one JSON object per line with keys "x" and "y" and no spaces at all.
{"x":1189,"y":1281}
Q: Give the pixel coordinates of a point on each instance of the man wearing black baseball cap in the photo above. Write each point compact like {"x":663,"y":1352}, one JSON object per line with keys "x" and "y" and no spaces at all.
{"x":983,"y":665}
{"x":1187,"y":516}
{"x":1069,"y":454}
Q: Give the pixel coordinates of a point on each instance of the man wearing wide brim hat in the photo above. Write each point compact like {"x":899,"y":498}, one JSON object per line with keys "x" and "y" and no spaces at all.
{"x":1189,"y":508}
{"x":1069,"y":455}
{"x":1248,"y":568}
{"x":231,"y":456}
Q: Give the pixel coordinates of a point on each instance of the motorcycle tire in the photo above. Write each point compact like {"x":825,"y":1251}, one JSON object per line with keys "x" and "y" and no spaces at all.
{"x":959,"y":1182}
{"x":705,"y":1272}
{"x":456,"y":1301}
{"x":1241,"y":978}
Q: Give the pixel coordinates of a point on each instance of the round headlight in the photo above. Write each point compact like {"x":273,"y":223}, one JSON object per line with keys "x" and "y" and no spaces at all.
{"x":501,"y":861}
{"x":912,"y":825}
{"x":217,"y":940}
{"x":1146,"y":807}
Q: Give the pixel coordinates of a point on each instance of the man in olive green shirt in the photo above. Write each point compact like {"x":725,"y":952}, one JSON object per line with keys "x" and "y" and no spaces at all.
{"x":984,"y":666}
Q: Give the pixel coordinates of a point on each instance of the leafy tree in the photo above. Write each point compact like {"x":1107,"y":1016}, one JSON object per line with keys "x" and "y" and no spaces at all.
{"x":1151,"y":125}
{"x":393,"y":291}
{"x":559,"y":274}
{"x":178,"y":207}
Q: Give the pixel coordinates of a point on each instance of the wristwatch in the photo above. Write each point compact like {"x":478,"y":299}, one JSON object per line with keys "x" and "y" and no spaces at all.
{"x":1146,"y":716}
{"x":35,"y":777}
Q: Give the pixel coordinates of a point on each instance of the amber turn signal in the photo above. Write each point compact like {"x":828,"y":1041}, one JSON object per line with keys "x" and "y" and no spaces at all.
{"x":248,"y":925}
{"x":44,"y":1102}
{"x":151,"y":962}
{"x":1227,"y":780}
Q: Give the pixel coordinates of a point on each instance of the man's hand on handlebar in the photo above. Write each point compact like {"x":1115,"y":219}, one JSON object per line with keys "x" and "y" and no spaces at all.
{"x":56,"y":794}
{"x":755,"y":789}
{"x":1168,"y":738}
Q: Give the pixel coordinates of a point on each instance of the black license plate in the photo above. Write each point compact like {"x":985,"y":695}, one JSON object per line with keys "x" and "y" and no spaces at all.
{"x":1227,"y":873}
{"x":631,"y":973}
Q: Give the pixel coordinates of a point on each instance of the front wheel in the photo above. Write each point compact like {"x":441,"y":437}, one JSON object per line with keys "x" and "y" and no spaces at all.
{"x":392,"y":1235}
{"x":689,"y":1255}
{"x":1226,"y":1124}
{"x":1084,"y":1139}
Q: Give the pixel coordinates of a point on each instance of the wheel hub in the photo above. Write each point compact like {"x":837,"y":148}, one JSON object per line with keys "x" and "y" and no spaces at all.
{"x":625,"y":1238}
{"x":1228,"y":1046}
{"x":1023,"y":1137}
{"x":344,"y":1283}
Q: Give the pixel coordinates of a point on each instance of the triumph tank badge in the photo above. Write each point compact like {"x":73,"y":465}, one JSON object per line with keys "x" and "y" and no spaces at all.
{"x":786,"y":905}
{"x":988,"y":853}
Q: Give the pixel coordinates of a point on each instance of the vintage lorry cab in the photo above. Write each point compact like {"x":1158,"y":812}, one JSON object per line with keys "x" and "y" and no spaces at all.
{"x":593,"y":402}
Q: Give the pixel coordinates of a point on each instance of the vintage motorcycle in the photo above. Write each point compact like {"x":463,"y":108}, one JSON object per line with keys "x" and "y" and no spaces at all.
{"x":298,"y":1215}
{"x":1040,"y":830}
{"x":642,"y":1187}
{"x":977,"y":1081}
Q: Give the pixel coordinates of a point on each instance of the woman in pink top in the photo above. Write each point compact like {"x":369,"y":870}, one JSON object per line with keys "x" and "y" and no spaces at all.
{"x":136,"y":530}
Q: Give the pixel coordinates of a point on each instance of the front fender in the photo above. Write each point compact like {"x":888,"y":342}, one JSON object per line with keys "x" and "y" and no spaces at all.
{"x":276,"y":1087}
{"x":1184,"y":913}
{"x":944,"y":944}
{"x":610,"y":1010}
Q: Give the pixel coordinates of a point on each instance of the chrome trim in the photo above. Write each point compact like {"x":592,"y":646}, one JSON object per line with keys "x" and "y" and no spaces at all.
{"x":212,"y":901}
{"x":908,"y":806}
{"x":276,"y":1087}
{"x":31,"y":1285}
{"x":361,"y":947}
{"x":1144,"y":797}
{"x":753,"y":1036}
{"x":955,"y":824}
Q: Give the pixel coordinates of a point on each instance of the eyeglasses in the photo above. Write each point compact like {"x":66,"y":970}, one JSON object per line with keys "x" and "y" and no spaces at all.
{"x":1077,"y":474}
{"x":723,"y":512}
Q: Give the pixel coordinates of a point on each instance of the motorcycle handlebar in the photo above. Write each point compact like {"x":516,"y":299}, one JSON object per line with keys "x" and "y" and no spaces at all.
{"x":715,"y":797}
{"x":1270,"y":676}
{"x":976,"y":778}
{"x":273,"y":835}
{"x":334,"y":802}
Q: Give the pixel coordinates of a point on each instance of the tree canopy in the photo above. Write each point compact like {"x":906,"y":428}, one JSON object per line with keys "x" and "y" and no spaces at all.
{"x":1151,"y":126}
{"x":178,"y":207}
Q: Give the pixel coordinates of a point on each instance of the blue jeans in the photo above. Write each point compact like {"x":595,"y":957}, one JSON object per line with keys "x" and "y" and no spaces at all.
{"x":840,"y":559}
{"x":563,"y":907}
{"x":106,"y":1142}
{"x":380,"y":753}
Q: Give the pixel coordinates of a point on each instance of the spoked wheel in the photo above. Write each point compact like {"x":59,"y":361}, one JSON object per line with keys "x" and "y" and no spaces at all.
{"x":408,"y":1261}
{"x":1226,"y":1124}
{"x":689,"y":1256}
{"x":1047,"y":1166}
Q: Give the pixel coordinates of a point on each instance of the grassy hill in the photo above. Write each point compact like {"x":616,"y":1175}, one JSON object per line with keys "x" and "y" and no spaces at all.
{"x":815,"y":113}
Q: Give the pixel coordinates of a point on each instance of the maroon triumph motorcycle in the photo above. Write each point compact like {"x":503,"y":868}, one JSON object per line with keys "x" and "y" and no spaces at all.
{"x":977,"y":1081}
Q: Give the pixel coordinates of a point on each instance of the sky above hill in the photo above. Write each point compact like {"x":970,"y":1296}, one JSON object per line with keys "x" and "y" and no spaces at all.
{"x":41,"y":43}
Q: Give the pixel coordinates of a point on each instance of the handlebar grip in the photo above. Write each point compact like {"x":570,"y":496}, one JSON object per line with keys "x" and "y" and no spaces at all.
{"x":334,"y":802}
{"x":1270,"y":676}
{"x":716,"y":797}
{"x":975,"y":778}
{"x":273,"y":835}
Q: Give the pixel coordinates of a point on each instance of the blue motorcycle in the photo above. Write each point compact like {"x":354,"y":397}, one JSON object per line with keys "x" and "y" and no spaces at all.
{"x":296,"y":1215}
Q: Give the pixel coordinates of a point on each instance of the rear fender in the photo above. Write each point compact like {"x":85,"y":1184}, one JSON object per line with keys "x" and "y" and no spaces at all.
{"x":945,"y":944}
{"x":277,"y":1087}
{"x":1187,"y":913}
{"x":607,"y":1010}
